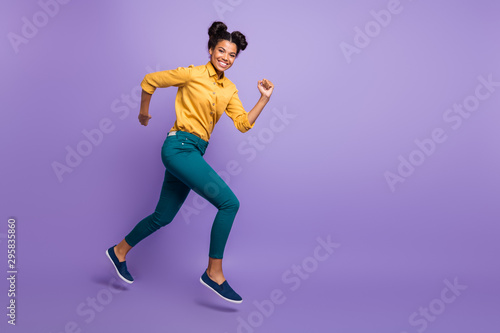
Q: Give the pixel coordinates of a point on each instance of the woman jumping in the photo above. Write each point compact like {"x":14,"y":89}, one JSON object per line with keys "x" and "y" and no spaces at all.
{"x":204,"y":94}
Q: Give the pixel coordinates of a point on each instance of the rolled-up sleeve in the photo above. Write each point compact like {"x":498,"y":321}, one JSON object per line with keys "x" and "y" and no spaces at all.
{"x":237,"y":113}
{"x":175,"y":77}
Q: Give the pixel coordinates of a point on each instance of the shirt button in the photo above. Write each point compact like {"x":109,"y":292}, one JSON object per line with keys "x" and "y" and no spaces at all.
{"x":211,"y":113}
{"x":210,"y":122}
{"x":214,"y":82}
{"x":214,"y":92}
{"x":213,"y":104}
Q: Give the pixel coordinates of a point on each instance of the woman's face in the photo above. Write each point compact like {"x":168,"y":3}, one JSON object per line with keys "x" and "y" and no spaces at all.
{"x":222,"y":55}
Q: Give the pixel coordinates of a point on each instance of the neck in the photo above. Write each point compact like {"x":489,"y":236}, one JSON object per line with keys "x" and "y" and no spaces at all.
{"x":219,"y":73}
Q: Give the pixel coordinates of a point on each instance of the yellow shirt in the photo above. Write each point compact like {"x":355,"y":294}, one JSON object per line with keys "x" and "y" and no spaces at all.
{"x":201,"y":98}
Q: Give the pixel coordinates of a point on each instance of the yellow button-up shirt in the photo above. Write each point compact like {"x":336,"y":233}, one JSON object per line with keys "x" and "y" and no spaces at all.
{"x":201,"y":98}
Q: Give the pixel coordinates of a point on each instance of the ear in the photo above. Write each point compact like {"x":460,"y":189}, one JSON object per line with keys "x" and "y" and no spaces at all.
{"x":210,"y":51}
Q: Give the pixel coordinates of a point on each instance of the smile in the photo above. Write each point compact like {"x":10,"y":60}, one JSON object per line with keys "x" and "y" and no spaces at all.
{"x":223,"y":64}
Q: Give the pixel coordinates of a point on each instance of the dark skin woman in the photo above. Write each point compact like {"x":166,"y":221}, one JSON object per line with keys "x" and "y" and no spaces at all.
{"x":204,"y":94}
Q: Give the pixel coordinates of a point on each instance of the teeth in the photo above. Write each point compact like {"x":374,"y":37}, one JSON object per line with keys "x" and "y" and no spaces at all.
{"x":223,"y":64}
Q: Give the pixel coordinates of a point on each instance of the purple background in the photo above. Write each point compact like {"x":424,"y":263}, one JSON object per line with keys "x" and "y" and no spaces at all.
{"x":320,"y":174}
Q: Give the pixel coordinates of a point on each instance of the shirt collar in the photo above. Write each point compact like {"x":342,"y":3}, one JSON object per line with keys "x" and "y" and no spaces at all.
{"x":213,"y":72}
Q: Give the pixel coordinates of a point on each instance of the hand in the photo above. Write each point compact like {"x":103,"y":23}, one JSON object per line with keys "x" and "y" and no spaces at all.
{"x":144,"y":119}
{"x":266,"y":87}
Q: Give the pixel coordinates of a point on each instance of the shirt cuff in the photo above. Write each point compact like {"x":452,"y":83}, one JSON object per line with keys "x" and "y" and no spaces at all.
{"x":147,"y":87}
{"x":243,"y":123}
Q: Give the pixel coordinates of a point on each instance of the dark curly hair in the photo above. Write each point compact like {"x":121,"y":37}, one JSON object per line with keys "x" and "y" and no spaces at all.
{"x":218,"y":31}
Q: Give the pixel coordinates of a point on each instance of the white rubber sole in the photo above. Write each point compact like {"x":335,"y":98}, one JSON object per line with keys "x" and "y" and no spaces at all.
{"x":226,"y":299}
{"x":116,"y":269}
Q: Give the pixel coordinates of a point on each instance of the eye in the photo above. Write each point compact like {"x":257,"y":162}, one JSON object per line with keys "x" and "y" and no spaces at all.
{"x":233,"y":55}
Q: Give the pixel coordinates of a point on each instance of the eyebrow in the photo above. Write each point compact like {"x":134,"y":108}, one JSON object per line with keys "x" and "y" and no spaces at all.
{"x":220,"y":47}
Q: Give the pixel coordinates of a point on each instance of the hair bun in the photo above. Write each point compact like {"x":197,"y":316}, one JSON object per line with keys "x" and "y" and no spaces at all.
{"x":218,"y":31}
{"x":239,"y":39}
{"x":216,"y":28}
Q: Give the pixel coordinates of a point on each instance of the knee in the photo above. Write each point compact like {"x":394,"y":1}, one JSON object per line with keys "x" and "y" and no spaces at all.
{"x":232,"y":204}
{"x":159,"y":220}
{"x":236,"y":203}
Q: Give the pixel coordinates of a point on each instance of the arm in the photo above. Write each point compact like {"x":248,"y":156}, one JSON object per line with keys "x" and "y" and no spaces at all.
{"x":144,"y":115}
{"x":176,"y":77}
{"x":266,"y":88}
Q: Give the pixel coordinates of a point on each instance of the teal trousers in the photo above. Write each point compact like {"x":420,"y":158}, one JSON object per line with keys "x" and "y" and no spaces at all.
{"x":182,"y":155}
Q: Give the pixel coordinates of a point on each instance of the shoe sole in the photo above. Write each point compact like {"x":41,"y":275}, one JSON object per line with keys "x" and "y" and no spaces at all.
{"x":116,"y":269}
{"x":224,"y":298}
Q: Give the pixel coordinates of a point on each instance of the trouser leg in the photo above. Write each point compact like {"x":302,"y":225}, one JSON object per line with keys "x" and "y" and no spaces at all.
{"x":173,"y":194}
{"x":194,"y":171}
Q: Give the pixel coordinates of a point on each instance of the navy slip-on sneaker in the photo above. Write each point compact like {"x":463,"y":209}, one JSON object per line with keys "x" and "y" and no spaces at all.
{"x":223,"y":290}
{"x":120,"y":267}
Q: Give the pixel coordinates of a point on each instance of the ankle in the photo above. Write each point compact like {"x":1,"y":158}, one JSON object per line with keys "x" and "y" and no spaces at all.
{"x":120,"y":254}
{"x":216,"y":275}
{"x":214,"y":272}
